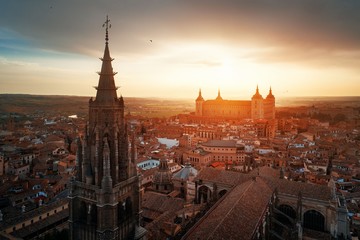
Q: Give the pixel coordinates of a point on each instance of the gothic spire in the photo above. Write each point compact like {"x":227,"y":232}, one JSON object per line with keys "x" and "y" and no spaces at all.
{"x":200,"y":98}
{"x":219,"y":96}
{"x":106,"y":89}
{"x":257,"y":94}
{"x":270,"y":95}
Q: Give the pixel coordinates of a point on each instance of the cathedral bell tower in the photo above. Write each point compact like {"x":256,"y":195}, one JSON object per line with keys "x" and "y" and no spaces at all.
{"x":104,"y":197}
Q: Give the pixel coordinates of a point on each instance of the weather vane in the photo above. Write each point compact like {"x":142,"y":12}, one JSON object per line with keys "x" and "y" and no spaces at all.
{"x":107,"y":25}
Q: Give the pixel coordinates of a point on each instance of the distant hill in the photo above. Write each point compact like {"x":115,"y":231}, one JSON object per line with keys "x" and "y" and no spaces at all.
{"x":342,"y":101}
{"x":70,"y":105}
{"x":148,"y":107}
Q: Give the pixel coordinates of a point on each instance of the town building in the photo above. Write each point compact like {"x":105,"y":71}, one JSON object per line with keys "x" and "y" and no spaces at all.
{"x":228,"y":151}
{"x":184,"y":182}
{"x":35,"y":222}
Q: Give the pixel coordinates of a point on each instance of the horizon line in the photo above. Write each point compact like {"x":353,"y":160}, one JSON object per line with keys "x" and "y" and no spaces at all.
{"x":185,"y":98}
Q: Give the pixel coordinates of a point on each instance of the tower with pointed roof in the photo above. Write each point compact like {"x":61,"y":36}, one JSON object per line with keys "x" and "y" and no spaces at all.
{"x":104,"y":197}
{"x":199,"y":104}
{"x":257,"y":108}
{"x":219,"y":98}
{"x":269,"y":106}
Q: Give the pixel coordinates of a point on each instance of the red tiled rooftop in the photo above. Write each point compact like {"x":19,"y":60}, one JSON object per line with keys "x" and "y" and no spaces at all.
{"x":237,"y":215}
{"x":221,"y":176}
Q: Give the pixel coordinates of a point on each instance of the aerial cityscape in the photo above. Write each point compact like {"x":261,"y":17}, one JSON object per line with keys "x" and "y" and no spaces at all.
{"x":201,"y":120}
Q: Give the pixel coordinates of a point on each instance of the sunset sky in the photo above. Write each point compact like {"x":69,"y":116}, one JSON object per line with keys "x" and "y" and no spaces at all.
{"x":299,"y":48}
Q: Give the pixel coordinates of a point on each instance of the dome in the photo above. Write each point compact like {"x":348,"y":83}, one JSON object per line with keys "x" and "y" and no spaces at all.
{"x":163,"y":175}
{"x":186,"y":172}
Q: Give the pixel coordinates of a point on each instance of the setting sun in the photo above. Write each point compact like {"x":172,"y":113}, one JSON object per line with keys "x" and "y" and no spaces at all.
{"x":170,"y":50}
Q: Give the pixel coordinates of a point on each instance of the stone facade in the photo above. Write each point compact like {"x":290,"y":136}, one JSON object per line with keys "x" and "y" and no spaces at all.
{"x":256,"y":108}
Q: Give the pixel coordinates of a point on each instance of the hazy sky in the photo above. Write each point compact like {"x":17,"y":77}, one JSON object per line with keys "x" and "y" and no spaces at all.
{"x":299,"y":48}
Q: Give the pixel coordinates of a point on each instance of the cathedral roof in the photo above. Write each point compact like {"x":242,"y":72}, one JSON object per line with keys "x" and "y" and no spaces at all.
{"x":246,"y":203}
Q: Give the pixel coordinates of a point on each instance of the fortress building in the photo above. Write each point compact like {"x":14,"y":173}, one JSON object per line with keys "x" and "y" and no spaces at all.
{"x":105,"y":196}
{"x":256,"y":108}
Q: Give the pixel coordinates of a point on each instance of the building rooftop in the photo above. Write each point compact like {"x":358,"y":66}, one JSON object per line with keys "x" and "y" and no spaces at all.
{"x":154,"y":204}
{"x":244,"y":205}
{"x":185,"y":173}
{"x":221,"y":176}
{"x":247,"y":202}
{"x":220,"y":143}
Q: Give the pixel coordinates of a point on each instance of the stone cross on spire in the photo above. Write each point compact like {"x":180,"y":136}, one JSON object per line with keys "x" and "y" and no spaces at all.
{"x":107,"y":25}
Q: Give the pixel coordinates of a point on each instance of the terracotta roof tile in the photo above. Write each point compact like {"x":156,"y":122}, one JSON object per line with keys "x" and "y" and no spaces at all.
{"x":221,"y":176}
{"x":154,"y":204}
{"x":237,"y":215}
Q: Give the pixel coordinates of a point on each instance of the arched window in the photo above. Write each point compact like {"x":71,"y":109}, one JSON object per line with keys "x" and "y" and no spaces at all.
{"x":314,"y":220}
{"x":204,"y":194}
{"x":289,"y":212}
